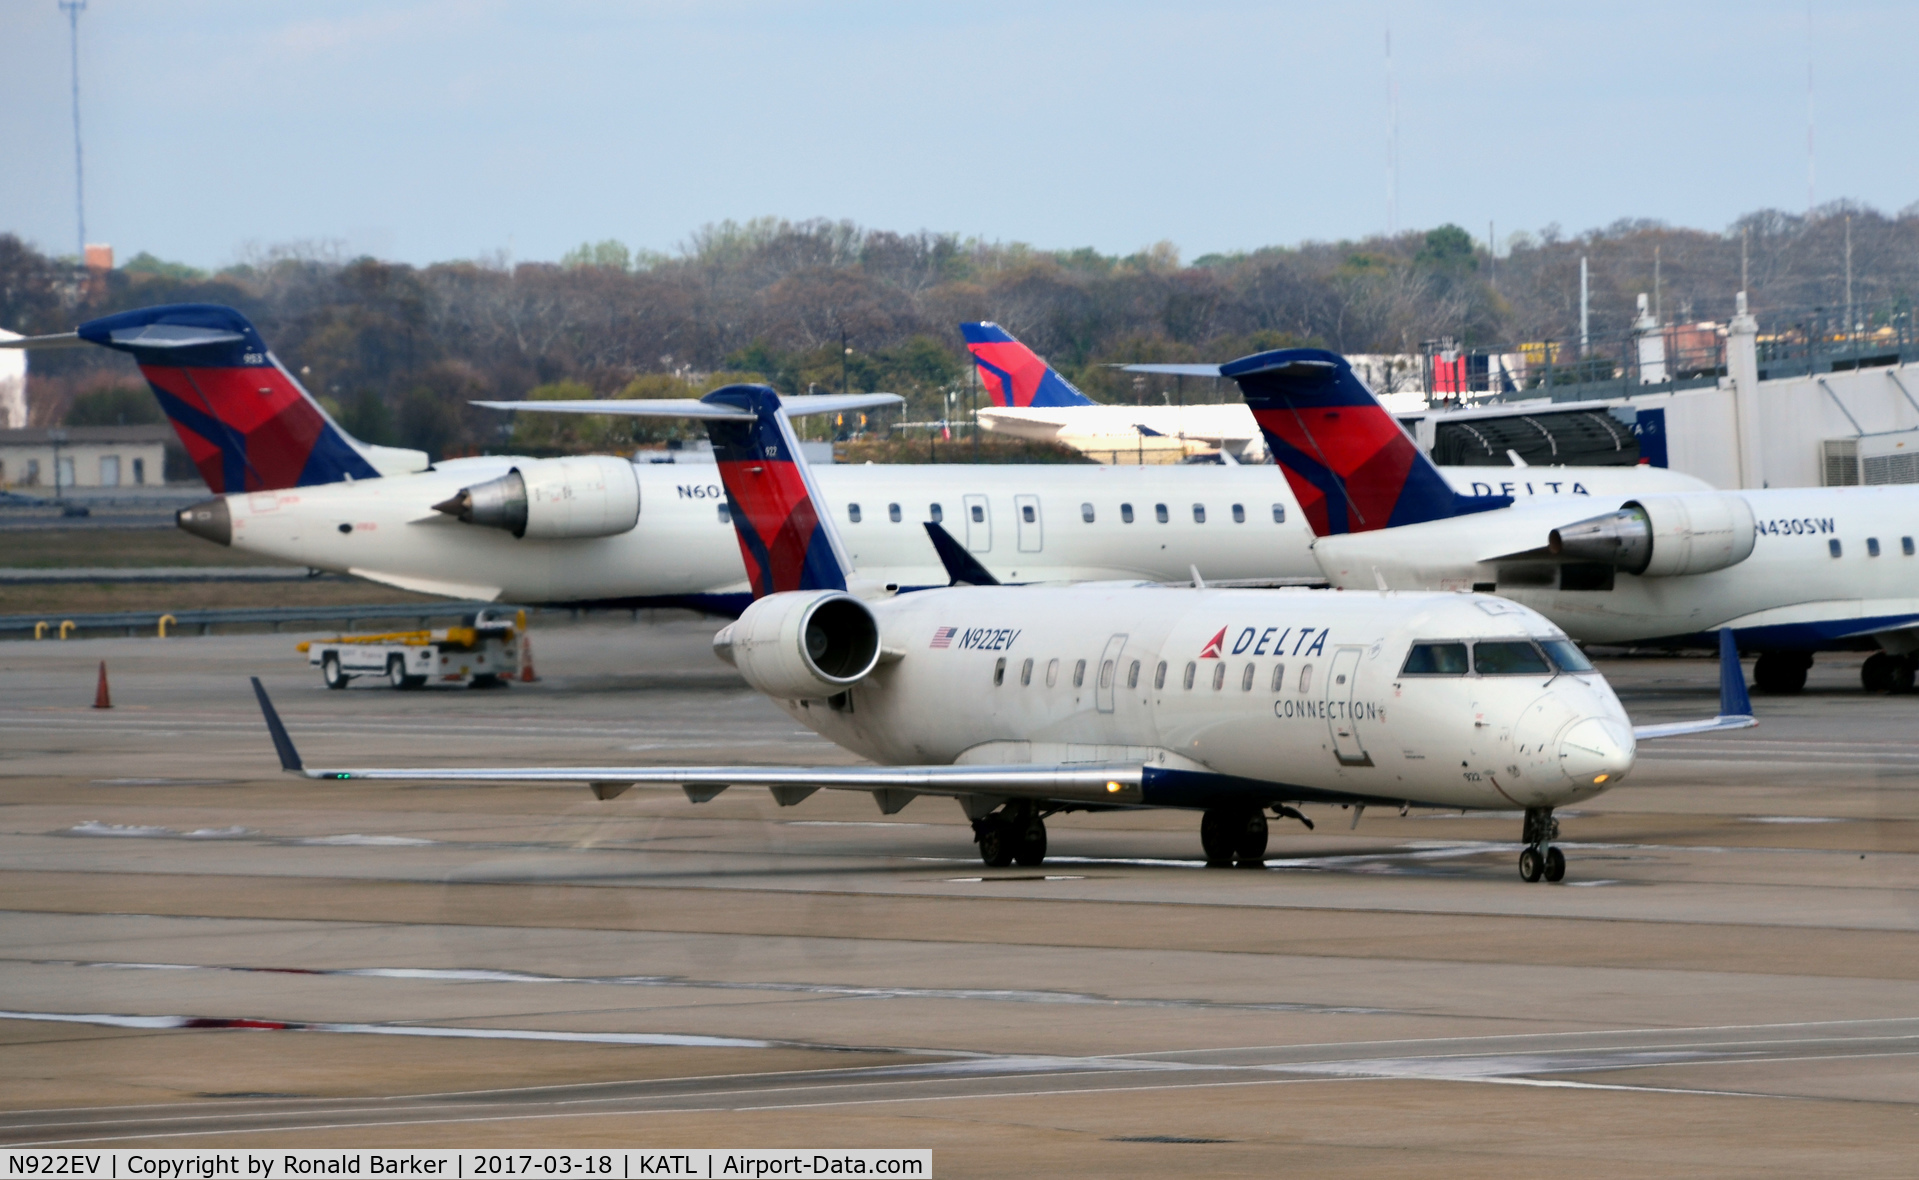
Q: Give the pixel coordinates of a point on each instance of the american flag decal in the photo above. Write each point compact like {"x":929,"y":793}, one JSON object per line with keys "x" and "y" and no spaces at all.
{"x":944,"y":636}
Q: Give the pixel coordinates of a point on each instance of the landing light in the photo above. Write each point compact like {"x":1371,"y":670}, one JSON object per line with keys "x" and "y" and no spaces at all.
{"x":1112,"y":788}
{"x":1600,"y":778}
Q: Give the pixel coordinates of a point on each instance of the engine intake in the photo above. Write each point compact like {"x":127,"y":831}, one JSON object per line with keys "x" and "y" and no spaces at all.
{"x":1663,"y":536}
{"x":802,"y":645}
{"x":584,"y":496}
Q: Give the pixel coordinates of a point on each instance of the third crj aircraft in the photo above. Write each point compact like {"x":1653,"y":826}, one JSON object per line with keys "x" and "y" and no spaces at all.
{"x":1022,"y":702}
{"x":598,"y":529}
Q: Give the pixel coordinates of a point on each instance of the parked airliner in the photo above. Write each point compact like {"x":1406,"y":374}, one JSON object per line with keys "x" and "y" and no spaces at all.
{"x":1025,"y":701}
{"x":597,"y":529}
{"x":1787,"y":571}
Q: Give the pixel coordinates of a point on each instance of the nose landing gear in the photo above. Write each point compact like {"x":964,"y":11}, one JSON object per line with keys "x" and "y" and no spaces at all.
{"x":1540,"y":858}
{"x":1014,"y":833}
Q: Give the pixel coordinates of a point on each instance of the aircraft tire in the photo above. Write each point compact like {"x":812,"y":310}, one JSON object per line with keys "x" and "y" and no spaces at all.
{"x":1781,"y":673}
{"x":1902,"y":671}
{"x":1249,"y":841}
{"x":1875,"y":675}
{"x":1532,"y":866}
{"x":1555,"y":865}
{"x":1029,"y":848}
{"x":1216,"y":837}
{"x":995,"y":842}
{"x":330,"y":672}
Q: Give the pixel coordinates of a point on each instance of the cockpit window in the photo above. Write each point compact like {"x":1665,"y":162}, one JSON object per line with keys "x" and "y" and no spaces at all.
{"x":1436,"y":659}
{"x":1508,"y":657}
{"x":1567,"y":655}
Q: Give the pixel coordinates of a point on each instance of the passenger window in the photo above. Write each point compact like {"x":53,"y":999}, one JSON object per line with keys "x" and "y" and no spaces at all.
{"x":1279,"y":514}
{"x":1026,"y":673}
{"x":999,"y":671}
{"x":1132,"y":675}
{"x":1086,"y":513}
{"x":1872,"y":546}
{"x":1190,"y":669}
{"x":893,"y":513}
{"x":1567,"y":655}
{"x":1246,"y":679}
{"x":1305,"y":680}
{"x":1159,"y":675}
{"x":1079,"y":673}
{"x":853,"y":513}
{"x":1028,"y":513}
{"x":1905,"y":546}
{"x":1199,"y":514}
{"x":1832,"y":547}
{"x":1159,"y":513}
{"x":1435,"y":659}
{"x":1106,"y":674}
{"x":1507,"y":657}
{"x":1219,"y":676}
{"x":1052,"y":673}
{"x":1279,"y":677}
{"x":1239,"y":514}
{"x":726,"y":514}
{"x":979,"y":514}
{"x":1126,"y":517}
{"x":933,"y":511}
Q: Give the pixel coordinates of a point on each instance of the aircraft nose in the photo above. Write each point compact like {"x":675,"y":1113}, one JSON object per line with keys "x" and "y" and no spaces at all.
{"x":1597,"y":752}
{"x":209,"y":519}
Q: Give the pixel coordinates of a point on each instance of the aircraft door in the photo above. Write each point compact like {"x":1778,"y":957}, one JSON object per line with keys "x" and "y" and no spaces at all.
{"x":1342,"y":690}
{"x":979,"y":524}
{"x":1026,"y":508}
{"x":1109,"y":673}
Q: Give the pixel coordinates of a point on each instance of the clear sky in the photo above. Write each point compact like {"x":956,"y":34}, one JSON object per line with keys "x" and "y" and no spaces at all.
{"x":424,"y":130}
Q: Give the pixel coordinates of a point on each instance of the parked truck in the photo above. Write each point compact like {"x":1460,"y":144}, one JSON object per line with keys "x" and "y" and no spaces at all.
{"x":483,"y":652}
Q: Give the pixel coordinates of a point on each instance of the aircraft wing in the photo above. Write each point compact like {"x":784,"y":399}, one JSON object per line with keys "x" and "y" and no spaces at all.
{"x":1735,"y":707}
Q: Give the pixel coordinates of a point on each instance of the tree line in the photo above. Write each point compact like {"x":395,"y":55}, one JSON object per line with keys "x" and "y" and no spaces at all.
{"x":396,"y":351}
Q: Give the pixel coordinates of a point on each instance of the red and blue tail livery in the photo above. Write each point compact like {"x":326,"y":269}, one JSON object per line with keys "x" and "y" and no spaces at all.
{"x":1013,"y":374}
{"x":1348,"y":461}
{"x":771,"y":495}
{"x":245,"y":422}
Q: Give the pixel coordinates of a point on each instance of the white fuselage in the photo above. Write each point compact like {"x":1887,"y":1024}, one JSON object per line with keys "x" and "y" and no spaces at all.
{"x":682,"y":545}
{"x":1813,"y":572}
{"x":1306,"y":691}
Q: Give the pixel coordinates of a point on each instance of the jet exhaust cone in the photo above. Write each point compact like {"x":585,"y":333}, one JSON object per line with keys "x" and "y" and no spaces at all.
{"x":209,"y":520}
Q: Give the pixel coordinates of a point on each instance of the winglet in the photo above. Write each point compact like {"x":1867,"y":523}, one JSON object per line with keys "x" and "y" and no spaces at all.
{"x":289,"y":757}
{"x":1733,"y":701}
{"x":961,"y":566}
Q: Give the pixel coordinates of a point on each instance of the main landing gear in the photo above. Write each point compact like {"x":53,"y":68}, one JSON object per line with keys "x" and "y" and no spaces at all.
{"x":1233,"y":836}
{"x":1014,"y":833}
{"x":1541,"y":858}
{"x":1781,"y":673}
{"x":1885,"y":672}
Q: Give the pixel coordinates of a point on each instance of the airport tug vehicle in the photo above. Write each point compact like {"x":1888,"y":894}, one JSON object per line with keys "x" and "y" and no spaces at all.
{"x":482,"y":653}
{"x":1023,"y":702}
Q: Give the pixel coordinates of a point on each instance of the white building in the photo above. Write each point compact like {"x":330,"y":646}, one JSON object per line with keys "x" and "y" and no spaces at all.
{"x":89,"y":457}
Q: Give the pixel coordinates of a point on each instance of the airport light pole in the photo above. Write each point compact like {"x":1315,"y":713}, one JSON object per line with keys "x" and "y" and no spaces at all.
{"x":73,"y":8}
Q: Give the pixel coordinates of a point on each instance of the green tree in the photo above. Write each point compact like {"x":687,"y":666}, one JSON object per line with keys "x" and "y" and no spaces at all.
{"x":120,"y":405}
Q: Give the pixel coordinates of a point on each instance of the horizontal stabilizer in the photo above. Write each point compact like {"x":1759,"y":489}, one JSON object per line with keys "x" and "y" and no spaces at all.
{"x":825,"y":403}
{"x":57,"y":340}
{"x":1173,"y":370}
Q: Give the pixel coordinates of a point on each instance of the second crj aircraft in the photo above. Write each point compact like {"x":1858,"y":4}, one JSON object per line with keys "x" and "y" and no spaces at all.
{"x":1023,"y":702}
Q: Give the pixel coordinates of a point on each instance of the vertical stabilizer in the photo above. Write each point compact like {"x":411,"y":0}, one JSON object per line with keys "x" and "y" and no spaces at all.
{"x":785,"y":537}
{"x":1349,"y":462}
{"x":1013,"y":374}
{"x":243,"y":419}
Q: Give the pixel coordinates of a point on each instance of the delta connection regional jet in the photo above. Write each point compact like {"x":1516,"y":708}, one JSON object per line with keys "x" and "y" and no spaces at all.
{"x":1022,"y":702}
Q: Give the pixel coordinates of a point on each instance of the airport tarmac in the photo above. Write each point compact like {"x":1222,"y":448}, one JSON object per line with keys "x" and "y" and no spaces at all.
{"x":201,"y":951}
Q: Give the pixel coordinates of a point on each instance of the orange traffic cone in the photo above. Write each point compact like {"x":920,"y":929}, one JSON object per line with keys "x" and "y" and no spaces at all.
{"x":526,"y":659}
{"x":101,"y":700}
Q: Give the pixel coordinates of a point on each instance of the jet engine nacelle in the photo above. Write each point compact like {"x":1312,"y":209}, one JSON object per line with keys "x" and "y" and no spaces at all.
{"x":581,"y":496}
{"x":803,"y":644}
{"x":1663,"y":536}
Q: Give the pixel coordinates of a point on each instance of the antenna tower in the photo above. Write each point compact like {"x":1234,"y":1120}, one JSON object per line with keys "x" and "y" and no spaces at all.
{"x":73,"y":9}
